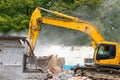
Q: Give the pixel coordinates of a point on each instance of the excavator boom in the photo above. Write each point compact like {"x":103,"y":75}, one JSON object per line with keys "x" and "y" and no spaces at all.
{"x":75,"y":25}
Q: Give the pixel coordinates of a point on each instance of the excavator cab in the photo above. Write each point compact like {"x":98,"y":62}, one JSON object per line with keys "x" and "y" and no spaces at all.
{"x":107,"y":54}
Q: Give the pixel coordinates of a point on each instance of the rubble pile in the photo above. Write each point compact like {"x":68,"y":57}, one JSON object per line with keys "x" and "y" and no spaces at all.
{"x":54,"y":72}
{"x":66,"y":75}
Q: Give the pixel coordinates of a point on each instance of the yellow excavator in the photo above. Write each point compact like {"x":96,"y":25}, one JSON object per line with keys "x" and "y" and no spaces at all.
{"x":105,"y":53}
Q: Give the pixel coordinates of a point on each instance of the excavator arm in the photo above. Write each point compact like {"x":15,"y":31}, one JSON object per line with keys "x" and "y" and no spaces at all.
{"x":70,"y":22}
{"x":33,"y":32}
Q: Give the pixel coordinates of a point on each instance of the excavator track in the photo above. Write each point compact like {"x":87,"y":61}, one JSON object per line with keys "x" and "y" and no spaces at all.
{"x":98,"y":73}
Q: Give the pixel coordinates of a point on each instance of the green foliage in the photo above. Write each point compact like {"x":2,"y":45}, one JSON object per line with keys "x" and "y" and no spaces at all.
{"x":110,"y":19}
{"x":15,"y":14}
{"x":93,"y":4}
{"x":104,"y":14}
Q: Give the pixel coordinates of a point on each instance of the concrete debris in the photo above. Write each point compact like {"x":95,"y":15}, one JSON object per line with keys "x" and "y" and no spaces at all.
{"x":66,"y":75}
{"x":79,"y":78}
{"x":49,"y":75}
{"x":52,"y":65}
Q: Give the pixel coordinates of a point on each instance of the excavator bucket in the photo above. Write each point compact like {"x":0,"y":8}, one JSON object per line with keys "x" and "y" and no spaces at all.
{"x":42,"y":64}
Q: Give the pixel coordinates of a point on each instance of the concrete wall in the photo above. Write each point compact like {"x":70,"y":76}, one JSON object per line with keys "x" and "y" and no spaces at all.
{"x":11,"y":62}
{"x":73,"y":55}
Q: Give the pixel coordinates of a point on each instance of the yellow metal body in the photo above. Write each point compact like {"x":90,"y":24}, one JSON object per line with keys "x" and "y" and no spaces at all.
{"x":33,"y":30}
{"x":71,"y":23}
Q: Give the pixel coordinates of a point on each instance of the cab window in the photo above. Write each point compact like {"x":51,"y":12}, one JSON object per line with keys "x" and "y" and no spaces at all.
{"x":106,"y":51}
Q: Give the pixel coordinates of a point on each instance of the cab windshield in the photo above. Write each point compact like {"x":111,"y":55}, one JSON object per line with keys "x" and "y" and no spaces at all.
{"x":106,"y":51}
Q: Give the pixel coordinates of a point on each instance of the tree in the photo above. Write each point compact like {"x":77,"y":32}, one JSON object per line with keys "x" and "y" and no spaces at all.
{"x":104,"y":14}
